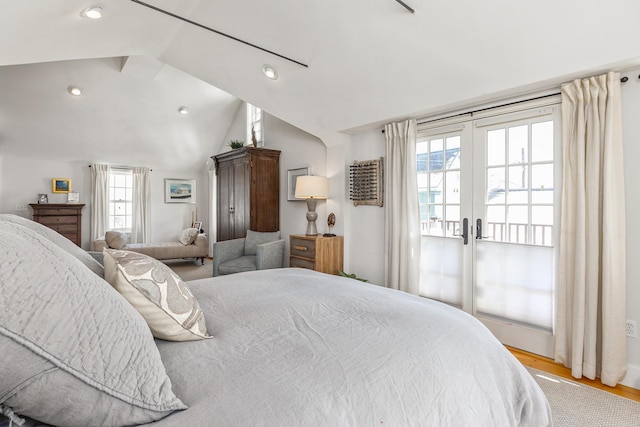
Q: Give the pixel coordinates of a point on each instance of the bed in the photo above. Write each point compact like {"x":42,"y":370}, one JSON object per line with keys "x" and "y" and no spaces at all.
{"x":269,"y":348}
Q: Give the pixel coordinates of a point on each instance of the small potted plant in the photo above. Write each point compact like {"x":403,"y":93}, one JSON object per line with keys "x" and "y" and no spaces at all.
{"x":236,"y":143}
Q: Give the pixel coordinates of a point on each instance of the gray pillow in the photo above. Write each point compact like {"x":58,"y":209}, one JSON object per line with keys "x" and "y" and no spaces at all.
{"x":74,"y":352}
{"x":115,"y":239}
{"x":255,"y":238}
{"x":58,"y":239}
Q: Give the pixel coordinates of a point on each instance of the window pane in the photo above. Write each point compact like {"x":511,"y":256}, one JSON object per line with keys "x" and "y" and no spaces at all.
{"x":495,"y":226}
{"x":495,"y":185}
{"x":542,"y":142}
{"x":542,"y":183}
{"x":542,"y":215}
{"x":453,"y":153}
{"x":518,"y":144}
{"x":436,"y":161}
{"x":436,"y":227}
{"x":518,"y":185}
{"x":120,"y":180}
{"x":452,"y":224}
{"x":452,"y":183}
{"x":436,"y":187}
{"x":119,"y":194}
{"x":495,"y":147}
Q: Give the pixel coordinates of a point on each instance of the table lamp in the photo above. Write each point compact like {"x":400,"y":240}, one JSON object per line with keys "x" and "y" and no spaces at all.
{"x":312,"y":188}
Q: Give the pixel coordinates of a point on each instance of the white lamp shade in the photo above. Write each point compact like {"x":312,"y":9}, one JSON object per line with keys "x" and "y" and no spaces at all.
{"x":312,"y":187}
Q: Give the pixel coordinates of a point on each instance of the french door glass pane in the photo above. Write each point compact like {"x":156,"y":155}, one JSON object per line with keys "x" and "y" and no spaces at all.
{"x":518,"y":184}
{"x":542,"y":142}
{"x":440,"y":266}
{"x":495,"y":147}
{"x":542,"y":183}
{"x":518,"y":144}
{"x":515,"y":282}
{"x":452,"y":183}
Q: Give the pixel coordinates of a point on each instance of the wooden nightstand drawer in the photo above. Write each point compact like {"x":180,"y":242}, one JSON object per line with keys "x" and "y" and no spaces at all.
{"x":302,"y":263}
{"x":302,"y":247}
{"x":319,"y":253}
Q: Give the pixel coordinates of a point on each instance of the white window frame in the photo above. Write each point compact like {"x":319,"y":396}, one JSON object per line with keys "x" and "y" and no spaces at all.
{"x":117,"y":203}
{"x":254,"y":121}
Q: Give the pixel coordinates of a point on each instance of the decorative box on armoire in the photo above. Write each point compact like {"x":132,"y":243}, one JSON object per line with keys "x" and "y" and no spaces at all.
{"x":66,"y":219}
{"x":248,"y":191}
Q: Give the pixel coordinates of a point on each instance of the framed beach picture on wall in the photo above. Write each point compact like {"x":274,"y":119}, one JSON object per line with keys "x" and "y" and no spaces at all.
{"x":60,"y":185}
{"x":179,"y":190}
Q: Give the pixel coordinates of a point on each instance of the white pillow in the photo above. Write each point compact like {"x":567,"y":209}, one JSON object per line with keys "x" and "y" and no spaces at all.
{"x":163,"y":299}
{"x":188,"y":236}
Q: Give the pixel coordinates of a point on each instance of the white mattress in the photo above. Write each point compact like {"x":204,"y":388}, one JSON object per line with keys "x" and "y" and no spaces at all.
{"x":294,"y":347}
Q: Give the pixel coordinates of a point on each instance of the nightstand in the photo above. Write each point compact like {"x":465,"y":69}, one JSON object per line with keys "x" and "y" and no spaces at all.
{"x":319,"y":253}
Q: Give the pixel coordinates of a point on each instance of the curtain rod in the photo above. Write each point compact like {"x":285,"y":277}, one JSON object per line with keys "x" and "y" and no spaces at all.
{"x":485,"y":109}
{"x":622,"y":80}
{"x":124,"y":167}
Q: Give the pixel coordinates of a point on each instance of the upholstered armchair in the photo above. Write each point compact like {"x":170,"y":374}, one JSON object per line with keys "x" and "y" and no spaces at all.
{"x":258,"y":251}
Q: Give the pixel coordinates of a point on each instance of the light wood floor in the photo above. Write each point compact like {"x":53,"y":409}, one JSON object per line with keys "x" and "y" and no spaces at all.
{"x":547,"y":365}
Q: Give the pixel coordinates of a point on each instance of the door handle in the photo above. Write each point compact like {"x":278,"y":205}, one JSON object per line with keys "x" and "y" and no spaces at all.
{"x":465,"y":231}
{"x":479,"y":235}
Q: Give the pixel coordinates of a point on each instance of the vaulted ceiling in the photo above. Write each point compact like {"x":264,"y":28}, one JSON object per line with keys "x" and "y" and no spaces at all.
{"x":367,"y":62}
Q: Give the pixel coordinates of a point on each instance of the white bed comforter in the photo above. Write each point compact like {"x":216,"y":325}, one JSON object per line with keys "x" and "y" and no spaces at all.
{"x":293,"y":347}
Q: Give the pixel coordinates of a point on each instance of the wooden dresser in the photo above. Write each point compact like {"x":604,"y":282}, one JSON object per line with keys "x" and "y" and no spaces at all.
{"x":66,"y":219}
{"x":319,"y":253}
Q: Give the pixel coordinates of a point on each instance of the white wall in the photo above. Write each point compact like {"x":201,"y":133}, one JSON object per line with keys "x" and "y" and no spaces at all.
{"x":631,"y":131}
{"x":25,"y":178}
{"x":365,"y":229}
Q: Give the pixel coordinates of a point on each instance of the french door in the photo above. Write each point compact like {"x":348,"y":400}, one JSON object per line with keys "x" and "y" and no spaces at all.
{"x":488,"y":191}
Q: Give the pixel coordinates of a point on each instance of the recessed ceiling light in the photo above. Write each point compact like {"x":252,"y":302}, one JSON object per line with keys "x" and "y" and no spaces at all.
{"x":270,"y":72}
{"x":94,"y":12}
{"x":74,"y":90}
{"x":183,"y":110}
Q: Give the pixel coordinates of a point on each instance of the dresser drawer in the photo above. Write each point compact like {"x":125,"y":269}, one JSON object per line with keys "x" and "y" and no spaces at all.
{"x":71,"y":236}
{"x":58,"y":211}
{"x":302,"y":263}
{"x":53,"y":220}
{"x":303,"y":248}
{"x":63,"y":228}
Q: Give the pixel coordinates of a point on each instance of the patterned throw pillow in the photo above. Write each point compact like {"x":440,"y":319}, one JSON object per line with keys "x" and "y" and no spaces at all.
{"x":188,"y":236}
{"x":163,"y":299}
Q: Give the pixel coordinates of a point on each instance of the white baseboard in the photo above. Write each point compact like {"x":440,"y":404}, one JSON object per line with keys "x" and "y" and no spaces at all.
{"x":632,"y":379}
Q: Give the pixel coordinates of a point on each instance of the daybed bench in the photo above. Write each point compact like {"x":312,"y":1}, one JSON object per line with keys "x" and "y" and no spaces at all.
{"x":190,"y":245}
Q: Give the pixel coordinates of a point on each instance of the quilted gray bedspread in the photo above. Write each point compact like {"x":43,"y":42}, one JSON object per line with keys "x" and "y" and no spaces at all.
{"x":293,"y":347}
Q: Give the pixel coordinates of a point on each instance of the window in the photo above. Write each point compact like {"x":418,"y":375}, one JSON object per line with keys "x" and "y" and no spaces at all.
{"x":254,"y":123}
{"x":120,"y":199}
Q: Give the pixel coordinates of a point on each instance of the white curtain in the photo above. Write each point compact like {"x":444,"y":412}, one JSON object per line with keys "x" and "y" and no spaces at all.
{"x":591,"y":302}
{"x":99,"y":200}
{"x":140,"y":223}
{"x":402,"y":215}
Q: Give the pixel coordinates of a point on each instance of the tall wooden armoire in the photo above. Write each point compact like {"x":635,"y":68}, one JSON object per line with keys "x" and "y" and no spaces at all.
{"x":248,"y":191}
